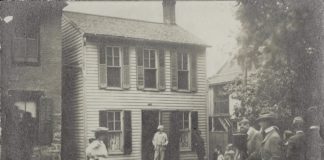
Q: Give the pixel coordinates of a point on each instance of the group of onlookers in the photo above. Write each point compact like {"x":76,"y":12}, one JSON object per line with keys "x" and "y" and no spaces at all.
{"x":266,"y":143}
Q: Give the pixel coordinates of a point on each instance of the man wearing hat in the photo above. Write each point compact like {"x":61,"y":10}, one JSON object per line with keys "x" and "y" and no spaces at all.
{"x":297,"y":143}
{"x":271,"y":146}
{"x":160,"y":141}
{"x":97,"y":149}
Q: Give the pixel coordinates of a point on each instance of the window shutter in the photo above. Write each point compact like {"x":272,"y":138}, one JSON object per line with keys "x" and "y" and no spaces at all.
{"x":45,"y":130}
{"x":174,"y":71}
{"x":102,"y":67}
{"x":126,"y":77}
{"x":194,"y":127}
{"x":127,"y":132}
{"x":193,"y":72}
{"x":103,"y":119}
{"x":140,"y":68}
{"x":210,"y":123}
{"x":161,"y":70}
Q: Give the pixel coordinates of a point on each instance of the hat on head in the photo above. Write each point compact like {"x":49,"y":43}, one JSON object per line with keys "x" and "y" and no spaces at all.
{"x":160,"y":127}
{"x":269,"y":116}
{"x":244,"y":120}
{"x":100,"y":129}
{"x":298,"y":120}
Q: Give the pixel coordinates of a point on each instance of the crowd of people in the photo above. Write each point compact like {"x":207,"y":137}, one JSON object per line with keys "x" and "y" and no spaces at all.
{"x":266,"y":143}
{"x":249,"y":144}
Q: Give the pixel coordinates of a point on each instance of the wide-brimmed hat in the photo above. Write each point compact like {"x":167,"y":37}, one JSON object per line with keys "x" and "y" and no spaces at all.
{"x":160,"y":127}
{"x":269,"y":116}
{"x":100,"y":129}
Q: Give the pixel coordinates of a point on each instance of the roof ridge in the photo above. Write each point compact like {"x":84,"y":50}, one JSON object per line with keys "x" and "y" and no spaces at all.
{"x":129,"y":19}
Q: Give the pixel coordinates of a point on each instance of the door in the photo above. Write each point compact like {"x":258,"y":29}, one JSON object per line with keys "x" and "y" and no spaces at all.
{"x":150,"y":121}
{"x":20,"y":127}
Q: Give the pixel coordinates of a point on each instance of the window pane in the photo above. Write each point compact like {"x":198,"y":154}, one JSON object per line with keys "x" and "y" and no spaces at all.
{"x":186,"y":125}
{"x":32,"y":50}
{"x":111,"y":126}
{"x":146,"y":59}
{"x":116,"y":52}
{"x":116,"y":61}
{"x":185,"y":61}
{"x":183,"y":80}
{"x":150,"y":78}
{"x":186,"y":116}
{"x":152,"y":59}
{"x":184,"y":139}
{"x":117,"y":116}
{"x":113,"y":76}
{"x":109,"y":56}
{"x":217,"y":126}
{"x":114,"y":141}
{"x":29,"y":107}
{"x":110,"y":116}
{"x":117,"y":126}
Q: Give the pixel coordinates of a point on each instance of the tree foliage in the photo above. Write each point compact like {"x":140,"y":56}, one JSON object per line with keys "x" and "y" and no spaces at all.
{"x":280,"y":43}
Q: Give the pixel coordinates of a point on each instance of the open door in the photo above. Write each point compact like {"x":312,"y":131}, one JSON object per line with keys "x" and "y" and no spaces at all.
{"x":173,"y":149}
{"x":150,"y":122}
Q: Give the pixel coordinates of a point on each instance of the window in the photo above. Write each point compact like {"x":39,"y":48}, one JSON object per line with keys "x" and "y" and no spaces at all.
{"x":183,"y":71}
{"x":185,"y":131}
{"x":219,"y":124}
{"x":26,"y":39}
{"x":115,"y":131}
{"x":33,"y":113}
{"x":150,"y":69}
{"x":113,"y":57}
{"x":119,"y":138}
{"x":221,"y":101}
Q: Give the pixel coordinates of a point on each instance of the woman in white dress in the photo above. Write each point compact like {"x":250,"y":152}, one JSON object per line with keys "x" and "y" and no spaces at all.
{"x":97,"y":149}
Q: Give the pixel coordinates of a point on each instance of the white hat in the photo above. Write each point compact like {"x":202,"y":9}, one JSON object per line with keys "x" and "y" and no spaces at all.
{"x":160,"y":127}
{"x":101,"y":129}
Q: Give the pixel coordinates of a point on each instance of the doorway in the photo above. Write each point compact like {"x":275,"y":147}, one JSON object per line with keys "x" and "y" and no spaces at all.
{"x":150,"y":121}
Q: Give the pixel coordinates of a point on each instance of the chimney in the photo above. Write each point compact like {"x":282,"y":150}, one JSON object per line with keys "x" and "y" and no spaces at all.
{"x":169,"y":11}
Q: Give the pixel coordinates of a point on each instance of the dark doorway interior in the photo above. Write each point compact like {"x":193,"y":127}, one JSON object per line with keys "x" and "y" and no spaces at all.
{"x":150,"y":121}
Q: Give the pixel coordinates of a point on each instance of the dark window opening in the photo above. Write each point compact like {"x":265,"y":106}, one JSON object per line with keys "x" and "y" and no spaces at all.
{"x":150,"y":73}
{"x":183,"y":71}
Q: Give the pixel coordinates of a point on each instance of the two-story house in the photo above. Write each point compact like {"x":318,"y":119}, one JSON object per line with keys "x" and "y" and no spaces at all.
{"x":221,"y":105}
{"x":31,"y":65}
{"x":130,"y":76}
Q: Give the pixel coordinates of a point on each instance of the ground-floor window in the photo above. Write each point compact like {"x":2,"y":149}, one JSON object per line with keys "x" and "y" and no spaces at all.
{"x":119,"y":135}
{"x":185,"y":130}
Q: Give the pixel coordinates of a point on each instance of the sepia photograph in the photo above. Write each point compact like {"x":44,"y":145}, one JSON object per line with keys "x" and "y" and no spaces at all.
{"x":162,"y":80}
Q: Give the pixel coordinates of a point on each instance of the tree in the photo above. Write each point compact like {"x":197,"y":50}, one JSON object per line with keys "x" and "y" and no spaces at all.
{"x":280,"y":42}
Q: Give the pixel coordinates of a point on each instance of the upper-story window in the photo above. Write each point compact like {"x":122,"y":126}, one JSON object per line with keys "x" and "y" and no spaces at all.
{"x":25,"y":43}
{"x":113,"y":56}
{"x":150,"y":74}
{"x":183,"y":71}
{"x":113,"y":67}
{"x":150,"y":69}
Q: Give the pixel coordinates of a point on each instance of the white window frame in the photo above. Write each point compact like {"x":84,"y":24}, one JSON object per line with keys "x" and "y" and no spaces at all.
{"x":113,"y":66}
{"x":156,"y":67}
{"x":122,"y":132}
{"x":189,"y":130}
{"x":188,"y":70}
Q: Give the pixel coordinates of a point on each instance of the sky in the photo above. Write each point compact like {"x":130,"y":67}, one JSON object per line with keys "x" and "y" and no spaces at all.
{"x":212,"y":21}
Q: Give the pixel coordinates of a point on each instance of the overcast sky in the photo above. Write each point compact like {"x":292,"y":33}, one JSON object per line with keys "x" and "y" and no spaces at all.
{"x":212,"y":21}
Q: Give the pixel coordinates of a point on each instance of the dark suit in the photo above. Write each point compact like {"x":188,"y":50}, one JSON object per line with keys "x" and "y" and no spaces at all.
{"x":271,"y":146}
{"x":296,"y":147}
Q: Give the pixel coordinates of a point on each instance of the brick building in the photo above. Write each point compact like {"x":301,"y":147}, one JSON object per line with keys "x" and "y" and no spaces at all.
{"x":31,"y":80}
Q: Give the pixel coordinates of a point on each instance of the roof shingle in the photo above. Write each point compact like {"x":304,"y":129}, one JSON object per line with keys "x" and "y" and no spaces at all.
{"x":132,"y":29}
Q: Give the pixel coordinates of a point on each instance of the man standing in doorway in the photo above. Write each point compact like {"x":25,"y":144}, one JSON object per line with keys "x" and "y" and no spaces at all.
{"x":160,"y":141}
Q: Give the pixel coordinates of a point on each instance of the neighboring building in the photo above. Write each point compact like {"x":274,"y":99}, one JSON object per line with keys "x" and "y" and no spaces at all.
{"x":221,"y":105}
{"x":31,"y":80}
{"x":130,"y":76}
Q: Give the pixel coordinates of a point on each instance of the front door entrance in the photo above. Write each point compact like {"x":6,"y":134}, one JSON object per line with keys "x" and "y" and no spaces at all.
{"x":150,"y":121}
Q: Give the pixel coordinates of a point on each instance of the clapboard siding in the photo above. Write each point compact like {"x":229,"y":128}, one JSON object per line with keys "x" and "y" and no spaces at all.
{"x":134,"y":100}
{"x":74,"y":97}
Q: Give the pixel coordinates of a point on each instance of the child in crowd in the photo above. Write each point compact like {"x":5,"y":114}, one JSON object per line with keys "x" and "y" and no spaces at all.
{"x":218,"y":155}
{"x":229,"y":152}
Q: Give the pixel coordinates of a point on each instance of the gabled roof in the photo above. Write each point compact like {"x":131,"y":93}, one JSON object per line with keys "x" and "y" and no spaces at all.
{"x":228,"y":72}
{"x":132,"y":29}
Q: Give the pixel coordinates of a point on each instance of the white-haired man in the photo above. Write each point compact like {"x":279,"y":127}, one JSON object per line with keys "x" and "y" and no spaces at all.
{"x":160,"y":141}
